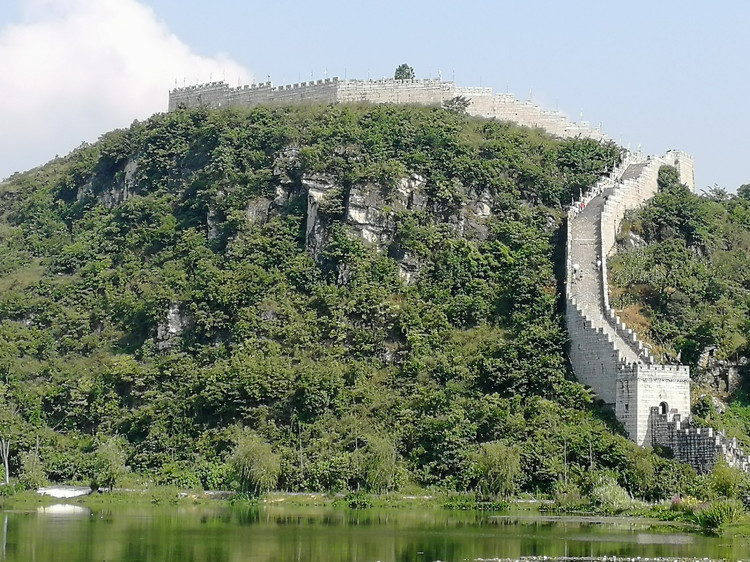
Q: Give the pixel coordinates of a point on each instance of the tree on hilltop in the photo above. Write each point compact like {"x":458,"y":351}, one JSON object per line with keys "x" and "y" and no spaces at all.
{"x":404,"y":72}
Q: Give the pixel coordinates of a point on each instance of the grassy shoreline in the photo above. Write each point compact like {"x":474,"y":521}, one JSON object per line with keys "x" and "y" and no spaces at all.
{"x":30,"y":500}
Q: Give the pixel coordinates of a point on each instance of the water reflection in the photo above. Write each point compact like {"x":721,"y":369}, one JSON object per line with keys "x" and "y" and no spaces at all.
{"x":270,"y":533}
{"x":64,"y":510}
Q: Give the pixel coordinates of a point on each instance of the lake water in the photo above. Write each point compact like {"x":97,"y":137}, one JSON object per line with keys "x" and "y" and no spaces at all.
{"x":271,"y":533}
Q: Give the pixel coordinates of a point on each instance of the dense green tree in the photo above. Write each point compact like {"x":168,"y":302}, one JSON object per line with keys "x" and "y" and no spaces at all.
{"x":404,"y":72}
{"x":344,"y":375}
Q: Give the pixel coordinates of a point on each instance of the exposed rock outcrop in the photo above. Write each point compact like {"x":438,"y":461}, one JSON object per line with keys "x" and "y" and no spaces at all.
{"x":321,"y":189}
{"x":115,"y":193}
{"x":169,"y":331}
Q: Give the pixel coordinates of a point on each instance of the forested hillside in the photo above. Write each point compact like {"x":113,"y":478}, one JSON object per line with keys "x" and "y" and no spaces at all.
{"x":682,"y":279}
{"x":683,"y":272}
{"x":152,"y":317}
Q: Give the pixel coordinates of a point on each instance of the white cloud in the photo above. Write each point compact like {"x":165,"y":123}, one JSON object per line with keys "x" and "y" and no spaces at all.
{"x":74,"y":69}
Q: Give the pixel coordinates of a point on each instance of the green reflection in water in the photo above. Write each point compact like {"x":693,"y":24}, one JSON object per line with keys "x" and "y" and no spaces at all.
{"x":269,"y":533}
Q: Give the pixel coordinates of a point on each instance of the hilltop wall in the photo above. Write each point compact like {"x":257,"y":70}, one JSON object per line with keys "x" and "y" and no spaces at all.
{"x":419,"y":92}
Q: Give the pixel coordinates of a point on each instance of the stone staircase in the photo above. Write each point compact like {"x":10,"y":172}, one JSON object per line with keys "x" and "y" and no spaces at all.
{"x":605,"y":354}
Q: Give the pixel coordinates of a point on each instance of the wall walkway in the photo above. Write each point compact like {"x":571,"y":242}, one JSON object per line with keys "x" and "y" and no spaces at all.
{"x":651,"y":400}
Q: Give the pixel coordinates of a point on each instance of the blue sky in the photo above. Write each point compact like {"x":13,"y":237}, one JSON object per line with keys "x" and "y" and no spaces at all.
{"x":671,"y":74}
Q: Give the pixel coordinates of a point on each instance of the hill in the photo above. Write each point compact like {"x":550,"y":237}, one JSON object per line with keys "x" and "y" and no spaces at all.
{"x":682,"y":279}
{"x":316,"y":298}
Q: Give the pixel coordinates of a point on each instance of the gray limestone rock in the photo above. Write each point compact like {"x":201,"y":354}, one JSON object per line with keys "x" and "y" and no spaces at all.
{"x":633,"y":241}
{"x":256,"y":210}
{"x":168,"y":331}
{"x":318,"y":186}
{"x":116,"y":193}
{"x":287,"y":166}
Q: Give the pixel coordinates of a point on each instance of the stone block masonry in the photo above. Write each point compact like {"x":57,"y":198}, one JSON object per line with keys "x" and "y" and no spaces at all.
{"x":651,"y":400}
{"x":697,"y":446}
{"x":418,"y":92}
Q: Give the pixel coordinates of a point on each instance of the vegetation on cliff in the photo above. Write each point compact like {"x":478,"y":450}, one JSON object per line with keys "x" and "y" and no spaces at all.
{"x":682,"y":276}
{"x":292,"y":370}
{"x":687,"y":277}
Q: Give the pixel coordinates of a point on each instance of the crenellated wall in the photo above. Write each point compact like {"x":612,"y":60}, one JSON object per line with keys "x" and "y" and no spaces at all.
{"x":651,"y":400}
{"x":700,"y":447}
{"x":420,"y":92}
{"x":605,"y":354}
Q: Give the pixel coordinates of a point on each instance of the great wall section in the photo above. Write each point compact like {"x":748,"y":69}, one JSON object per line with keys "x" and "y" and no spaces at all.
{"x":650,"y":399}
{"x":484,"y":103}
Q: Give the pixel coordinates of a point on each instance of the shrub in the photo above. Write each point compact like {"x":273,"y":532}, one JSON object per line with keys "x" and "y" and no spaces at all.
{"x":32,"y":472}
{"x":110,"y":462}
{"x":712,"y":517}
{"x":610,"y":497}
{"x":358,"y":500}
{"x":255,"y":464}
{"x":497,"y":466}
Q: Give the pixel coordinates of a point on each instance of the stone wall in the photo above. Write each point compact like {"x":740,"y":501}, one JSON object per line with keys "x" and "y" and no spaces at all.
{"x":218,"y":94}
{"x":604,"y":352}
{"x":700,"y":447}
{"x":420,"y":92}
{"x":594,"y":358}
{"x":652,"y":401}
{"x":641,"y":387}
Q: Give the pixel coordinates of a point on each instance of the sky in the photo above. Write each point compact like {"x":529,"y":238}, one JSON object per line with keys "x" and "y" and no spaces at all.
{"x":659,"y":75}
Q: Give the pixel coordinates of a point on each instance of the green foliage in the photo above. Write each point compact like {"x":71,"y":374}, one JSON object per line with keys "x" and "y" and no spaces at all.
{"x":497,"y":467}
{"x":255,"y":464}
{"x":404,"y":72}
{"x":32,"y":470}
{"x":465,"y":502}
{"x":344,"y":376}
{"x":715,"y":515}
{"x":608,"y":496}
{"x":381,"y":467}
{"x":458,"y":104}
{"x":358,"y":500}
{"x":110,"y":462}
{"x":692,"y":280}
{"x":727,"y":482}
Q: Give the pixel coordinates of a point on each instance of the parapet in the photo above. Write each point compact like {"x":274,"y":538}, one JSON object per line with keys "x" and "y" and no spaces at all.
{"x":430,"y":91}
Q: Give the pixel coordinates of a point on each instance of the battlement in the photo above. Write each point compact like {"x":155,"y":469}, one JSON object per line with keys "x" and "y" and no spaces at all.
{"x":656,"y":368}
{"x":700,"y":447}
{"x":431,"y":91}
{"x":604,"y":352}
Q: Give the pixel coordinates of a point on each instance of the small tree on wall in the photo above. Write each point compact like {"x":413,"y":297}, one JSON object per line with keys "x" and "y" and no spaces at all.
{"x":404,"y":72}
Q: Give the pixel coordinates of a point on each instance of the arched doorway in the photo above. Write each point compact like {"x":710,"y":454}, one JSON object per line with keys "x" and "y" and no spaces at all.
{"x":663,"y":408}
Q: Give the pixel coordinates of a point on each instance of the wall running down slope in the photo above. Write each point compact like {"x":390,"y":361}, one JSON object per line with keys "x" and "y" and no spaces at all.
{"x":418,"y":92}
{"x":651,"y":400}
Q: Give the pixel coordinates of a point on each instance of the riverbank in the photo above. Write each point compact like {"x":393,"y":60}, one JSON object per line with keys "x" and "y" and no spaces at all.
{"x":518,"y":509}
{"x":215,"y":531}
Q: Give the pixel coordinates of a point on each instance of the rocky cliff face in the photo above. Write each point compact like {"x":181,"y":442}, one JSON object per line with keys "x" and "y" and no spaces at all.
{"x":369,"y":210}
{"x":115,"y":193}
